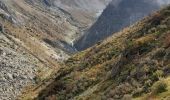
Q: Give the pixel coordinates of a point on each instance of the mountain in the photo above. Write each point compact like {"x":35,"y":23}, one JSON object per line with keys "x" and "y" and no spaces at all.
{"x":118,"y":15}
{"x":36,"y":36}
{"x":58,"y":22}
{"x":82,"y":11}
{"x":133,"y":64}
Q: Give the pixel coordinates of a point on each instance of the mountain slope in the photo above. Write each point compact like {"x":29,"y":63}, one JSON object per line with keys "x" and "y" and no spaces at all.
{"x":118,"y":15}
{"x":124,"y":66}
{"x":35,"y":37}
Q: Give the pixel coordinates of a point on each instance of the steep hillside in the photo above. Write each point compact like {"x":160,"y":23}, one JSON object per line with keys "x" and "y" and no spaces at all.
{"x":118,"y":15}
{"x":131,"y":64}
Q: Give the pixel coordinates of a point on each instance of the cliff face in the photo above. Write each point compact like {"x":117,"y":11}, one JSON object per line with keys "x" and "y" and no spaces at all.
{"x":118,"y":14}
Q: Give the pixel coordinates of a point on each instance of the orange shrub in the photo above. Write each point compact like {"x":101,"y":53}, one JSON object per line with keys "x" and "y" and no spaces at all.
{"x":167,"y":41}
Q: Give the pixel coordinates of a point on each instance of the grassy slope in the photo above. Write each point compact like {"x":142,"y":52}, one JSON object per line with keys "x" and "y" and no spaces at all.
{"x":123,"y":66}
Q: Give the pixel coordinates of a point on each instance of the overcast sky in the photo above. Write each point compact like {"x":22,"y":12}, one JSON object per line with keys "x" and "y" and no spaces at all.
{"x":162,"y":2}
{"x":159,"y":2}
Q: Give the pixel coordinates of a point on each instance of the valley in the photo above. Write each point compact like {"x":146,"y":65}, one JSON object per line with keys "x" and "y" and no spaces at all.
{"x":84,"y":50}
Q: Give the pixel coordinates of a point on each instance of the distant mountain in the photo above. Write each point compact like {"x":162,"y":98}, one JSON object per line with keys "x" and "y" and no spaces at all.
{"x":67,"y":19}
{"x":83,"y":11}
{"x":119,"y":14}
{"x":54,"y":22}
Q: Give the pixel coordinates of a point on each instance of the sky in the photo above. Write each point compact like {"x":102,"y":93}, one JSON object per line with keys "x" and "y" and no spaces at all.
{"x":159,"y":2}
{"x":163,"y":2}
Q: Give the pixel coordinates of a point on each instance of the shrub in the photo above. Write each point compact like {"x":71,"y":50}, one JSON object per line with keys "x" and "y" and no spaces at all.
{"x":159,"y":73}
{"x":53,"y":97}
{"x":167,"y":41}
{"x":159,"y":54}
{"x":138,"y":92}
{"x":159,"y":87}
{"x":127,"y":97}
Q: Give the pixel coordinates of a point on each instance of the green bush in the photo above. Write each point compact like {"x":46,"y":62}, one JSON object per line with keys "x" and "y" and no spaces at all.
{"x":138,"y":92}
{"x":159,"y":87}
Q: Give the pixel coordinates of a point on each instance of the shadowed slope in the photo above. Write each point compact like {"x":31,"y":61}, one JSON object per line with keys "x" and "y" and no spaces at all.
{"x":118,"y":15}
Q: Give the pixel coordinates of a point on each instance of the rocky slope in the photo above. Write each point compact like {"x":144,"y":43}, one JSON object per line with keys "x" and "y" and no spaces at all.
{"x":131,"y":65}
{"x":18,"y":68}
{"x":119,"y":14}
